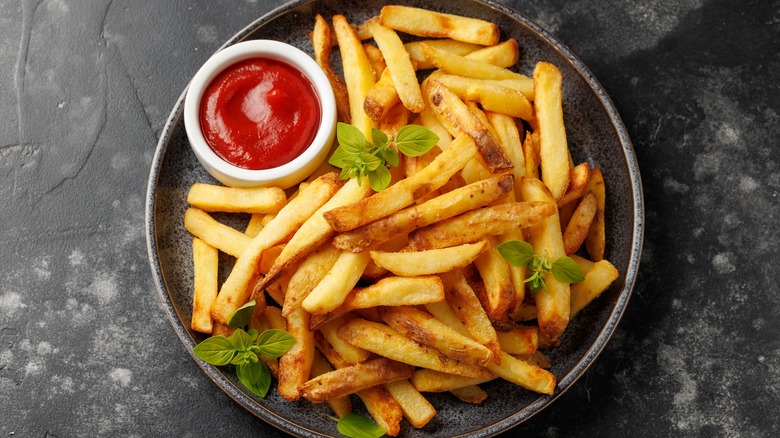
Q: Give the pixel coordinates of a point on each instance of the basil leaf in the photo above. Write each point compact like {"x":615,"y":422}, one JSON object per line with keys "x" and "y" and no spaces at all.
{"x":274,"y":343}
{"x":371,"y":162}
{"x":242,"y":357}
{"x":216,"y":350}
{"x":516,"y":252}
{"x":566,"y":270}
{"x":391,"y":156}
{"x":255,"y":376}
{"x":253,"y":334}
{"x":379,"y":178}
{"x":379,"y":138}
{"x":241,"y":316}
{"x":349,"y":172}
{"x":359,"y":426}
{"x":415,"y":140}
{"x":241,"y":340}
{"x":350,"y":138}
{"x":339,"y":157}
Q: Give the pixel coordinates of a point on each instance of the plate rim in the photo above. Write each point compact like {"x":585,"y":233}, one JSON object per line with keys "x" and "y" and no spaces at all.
{"x":562,"y":385}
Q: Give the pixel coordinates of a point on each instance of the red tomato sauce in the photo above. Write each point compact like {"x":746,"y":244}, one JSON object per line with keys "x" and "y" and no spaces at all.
{"x":259,"y":113}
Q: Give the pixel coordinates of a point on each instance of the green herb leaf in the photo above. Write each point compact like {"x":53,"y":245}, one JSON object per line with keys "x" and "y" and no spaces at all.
{"x":359,"y":426}
{"x":516,"y":252}
{"x":566,"y":270}
{"x":350,"y":138}
{"x":255,"y":376}
{"x":371,"y":162}
{"x":415,"y":140}
{"x":241,"y":316}
{"x":216,"y":350}
{"x":253,"y":334}
{"x":391,"y":156}
{"x":379,"y":138}
{"x":241,"y":340}
{"x":379,"y":178}
{"x":242,"y":357}
{"x":274,"y":343}
{"x":339,"y":157}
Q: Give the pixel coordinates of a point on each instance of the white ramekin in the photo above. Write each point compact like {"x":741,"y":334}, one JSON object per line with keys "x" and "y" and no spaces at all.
{"x":283,"y":176}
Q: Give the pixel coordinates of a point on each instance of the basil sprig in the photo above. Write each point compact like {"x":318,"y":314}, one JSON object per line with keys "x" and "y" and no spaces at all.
{"x":519,"y":253}
{"x":358,"y":158}
{"x":358,"y":426}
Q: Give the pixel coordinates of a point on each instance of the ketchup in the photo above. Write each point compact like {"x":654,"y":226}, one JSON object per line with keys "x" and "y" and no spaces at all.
{"x":259,"y":113}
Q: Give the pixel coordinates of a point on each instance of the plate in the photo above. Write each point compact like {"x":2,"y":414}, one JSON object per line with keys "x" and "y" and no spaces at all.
{"x":596,"y":134}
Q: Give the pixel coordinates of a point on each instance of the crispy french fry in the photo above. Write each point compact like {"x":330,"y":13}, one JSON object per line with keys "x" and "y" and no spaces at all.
{"x":504,"y":54}
{"x":448,"y":106}
{"x":496,"y":276}
{"x":425,"y":23}
{"x":552,"y":303}
{"x":492,"y":95}
{"x":522,"y":340}
{"x":376,"y":59}
{"x":228,"y":240}
{"x":255,"y":225}
{"x":417,"y":410}
{"x":521,"y":373}
{"x":340,"y":405}
{"x":400,"y":66}
{"x":391,"y":123}
{"x":358,"y":72}
{"x":381,"y":97}
{"x":476,"y":224}
{"x":531,"y":156}
{"x":295,"y":365}
{"x":537,"y":358}
{"x":322,"y":44}
{"x":464,"y":66}
{"x":579,"y":224}
{"x":237,"y":287}
{"x":429,"y":120}
{"x":423,"y":328}
{"x":579,"y":177}
{"x":308,"y":275}
{"x":384,"y":341}
{"x":436,"y":381}
{"x":212,"y":198}
{"x":449,"y":45}
{"x":354,"y":378}
{"x":470,"y":394}
{"x":348,"y":352}
{"x":509,"y":138}
{"x":331,"y":291}
{"x":403,"y":193}
{"x":439,"y":208}
{"x":595,"y":242}
{"x":554,"y":150}
{"x":597,"y":280}
{"x":205,"y":267}
{"x":434,"y":261}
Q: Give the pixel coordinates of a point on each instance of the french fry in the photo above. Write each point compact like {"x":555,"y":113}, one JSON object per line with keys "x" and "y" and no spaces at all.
{"x":597,"y":280}
{"x":255,"y":225}
{"x":425,"y":23}
{"x":449,"y":45}
{"x":496,"y":276}
{"x":295,"y":365}
{"x":358,"y":72}
{"x":521,"y":373}
{"x":334,"y":287}
{"x":439,"y":208}
{"x":205,"y":267}
{"x":226,"y":239}
{"x":423,"y":328}
{"x":429,"y":120}
{"x":579,"y":224}
{"x":381,"y":97}
{"x":470,"y":394}
{"x":354,"y":378}
{"x":417,"y":410}
{"x":322,"y":44}
{"x":237,"y":287}
{"x":491,"y":94}
{"x":476,"y":224}
{"x":400,"y":66}
{"x":384,"y":341}
{"x":403,"y":193}
{"x":340,"y":405}
{"x":595,"y":242}
{"x":434,"y":261}
{"x":554,"y":150}
{"x":504,"y":54}
{"x":579,"y":177}
{"x":348,"y":352}
{"x":448,"y":106}
{"x":309,"y":273}
{"x":509,"y":138}
{"x":464,"y":66}
{"x":552,"y":302}
{"x":522,"y":340}
{"x":436,"y":381}
{"x":391,"y":123}
{"x":213,"y":198}
{"x":376,"y":59}
{"x":537,"y":358}
{"x":531,"y":156}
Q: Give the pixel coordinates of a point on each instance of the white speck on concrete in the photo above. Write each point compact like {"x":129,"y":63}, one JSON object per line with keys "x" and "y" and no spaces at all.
{"x":122,"y":376}
{"x":747,"y":184}
{"x":76,"y":258}
{"x":722,"y":263}
{"x":104,"y":287}
{"x":11,"y":303}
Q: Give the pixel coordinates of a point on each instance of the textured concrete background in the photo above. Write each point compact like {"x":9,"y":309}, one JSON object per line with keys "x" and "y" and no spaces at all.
{"x":85,"y":87}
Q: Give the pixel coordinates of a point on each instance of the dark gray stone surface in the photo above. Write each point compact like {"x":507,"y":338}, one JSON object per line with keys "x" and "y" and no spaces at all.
{"x":86,"y":86}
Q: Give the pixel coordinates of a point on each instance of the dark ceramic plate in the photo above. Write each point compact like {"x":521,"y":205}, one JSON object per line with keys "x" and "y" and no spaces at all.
{"x":596,"y":134}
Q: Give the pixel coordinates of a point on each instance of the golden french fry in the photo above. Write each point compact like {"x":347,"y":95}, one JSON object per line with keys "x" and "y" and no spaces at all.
{"x":436,"y":381}
{"x":521,"y":373}
{"x":554,"y":150}
{"x":348,"y":352}
{"x":381,"y":97}
{"x":434,"y":261}
{"x":340,"y":405}
{"x":255,"y":225}
{"x":417,"y":410}
{"x":537,"y":358}
{"x":524,"y":339}
{"x":579,"y":224}
{"x":358,"y":72}
{"x":205,"y":266}
{"x":595,"y":242}
{"x":237,"y":287}
{"x":476,"y":224}
{"x":322,"y":44}
{"x":308,"y":275}
{"x":504,"y":54}
{"x":531,"y":156}
{"x":425,"y":23}
{"x":496,"y":276}
{"x":439,"y":208}
{"x":470,"y":394}
{"x":579,"y":177}
{"x":447,"y":105}
{"x":354,"y":378}
{"x":400,"y":66}
{"x":428,"y":119}
{"x":508,"y":137}
{"x":376,"y":59}
{"x":361,"y":29}
{"x":384,"y":341}
{"x":212,"y":198}
{"x":295,"y":364}
{"x":420,"y":326}
{"x":331,"y":291}
{"x":222,"y":237}
{"x":449,"y":45}
{"x":552,"y":302}
{"x":471,"y":68}
{"x":492,"y":95}
{"x":391,"y":123}
{"x":403,"y":193}
{"x":597,"y":280}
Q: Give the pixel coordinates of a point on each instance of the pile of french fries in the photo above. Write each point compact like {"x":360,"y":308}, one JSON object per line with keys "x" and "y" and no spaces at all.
{"x":393,"y":294}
